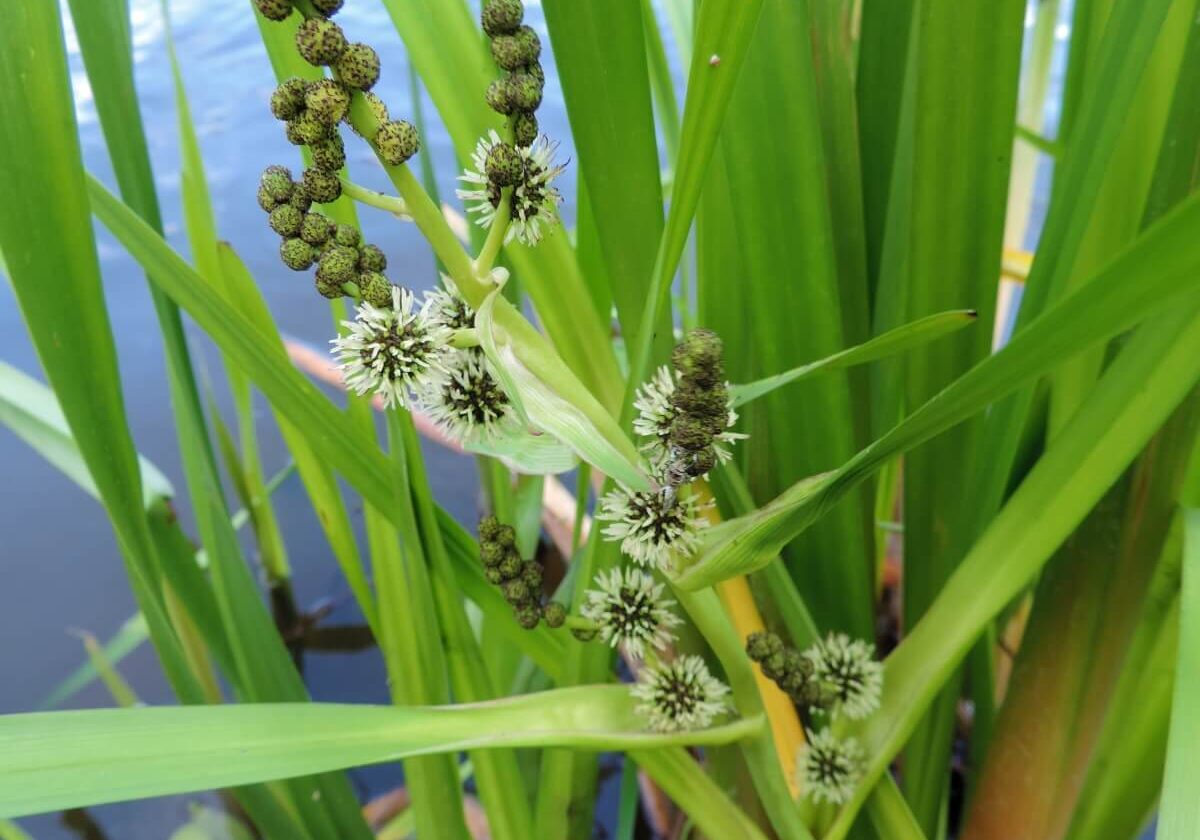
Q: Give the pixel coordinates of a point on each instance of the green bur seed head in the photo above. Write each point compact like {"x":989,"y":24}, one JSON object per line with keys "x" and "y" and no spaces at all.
{"x":358,"y":66}
{"x":761,"y":645}
{"x":327,"y":7}
{"x":698,"y":357}
{"x":277,"y":182}
{"x":316,"y":230}
{"x":300,"y":199}
{"x":525,"y":129}
{"x":689,"y":433}
{"x":371,"y":258}
{"x":534,"y":69}
{"x":511,"y":565}
{"x":328,"y":288}
{"x":493,"y":575}
{"x":555,"y":614}
{"x":531,"y":573}
{"x":308,"y":130}
{"x":287,"y":102}
{"x":506,"y":536}
{"x":497,"y":97}
{"x":265,"y":200}
{"x":516,"y":591}
{"x":501,"y":17}
{"x":508,"y":53}
{"x":339,"y":265}
{"x":274,"y":9}
{"x":329,"y":154}
{"x":397,"y":141}
{"x":320,"y":42}
{"x":504,"y":166}
{"x":524,"y":92}
{"x":297,"y":254}
{"x":286,"y":220}
{"x":489,"y":529}
{"x":327,"y":101}
{"x":528,"y":616}
{"x":375,"y":288}
{"x":491,"y":554}
{"x":347,"y":235}
{"x":530,"y":44}
{"x":323,"y":186}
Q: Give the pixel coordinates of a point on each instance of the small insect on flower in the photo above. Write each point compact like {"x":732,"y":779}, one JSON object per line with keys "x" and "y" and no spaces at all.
{"x":630,"y":610}
{"x":847,"y":670}
{"x":466,"y":400}
{"x":534,"y":201}
{"x":653,"y":529}
{"x":828,"y":768}
{"x":392,"y":350}
{"x":656,"y":414}
{"x":680,"y":696}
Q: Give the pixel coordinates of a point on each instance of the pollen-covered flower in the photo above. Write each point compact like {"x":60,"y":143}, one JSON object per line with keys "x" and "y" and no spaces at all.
{"x":534,"y":199}
{"x":829,"y":768}
{"x":653,"y":529}
{"x":391,"y":350}
{"x":630,"y":610}
{"x":656,"y":415}
{"x":478,"y":194}
{"x":680,"y":696}
{"x":449,"y":308}
{"x":466,"y":400}
{"x":849,"y":674}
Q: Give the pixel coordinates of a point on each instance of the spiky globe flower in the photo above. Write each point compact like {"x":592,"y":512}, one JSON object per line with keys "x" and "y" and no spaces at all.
{"x":504,"y":166}
{"x":323,"y":186}
{"x":497,"y":97}
{"x":450,"y":308}
{"x":308,"y":130}
{"x":848,"y":671}
{"x":681,"y":696}
{"x":288,"y":99}
{"x":286,"y":220}
{"x":274,"y":9}
{"x":629,"y":609}
{"x":829,"y":768}
{"x":316,"y":229}
{"x":501,"y":17}
{"x":320,"y":42}
{"x":330,"y":153}
{"x":327,"y":101}
{"x":375,"y":288}
{"x":327,"y":7}
{"x":534,"y":200}
{"x":466,"y":400}
{"x":653,"y":530}
{"x":397,"y":141}
{"x":524,"y":92}
{"x":525,"y":129}
{"x":390,"y":350}
{"x":358,"y":66}
{"x":371,"y":258}
{"x":297,"y":254}
{"x":656,"y":416}
{"x":276,"y":181}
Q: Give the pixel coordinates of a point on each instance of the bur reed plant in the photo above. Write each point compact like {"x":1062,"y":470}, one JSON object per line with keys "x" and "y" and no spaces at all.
{"x":842,"y":563}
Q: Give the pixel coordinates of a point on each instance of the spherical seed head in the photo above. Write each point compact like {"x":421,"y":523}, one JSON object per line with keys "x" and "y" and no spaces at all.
{"x":274,"y":9}
{"x":319,"y":41}
{"x":300,"y":199}
{"x":327,"y":7}
{"x":489,"y":528}
{"x":528,"y":615}
{"x":286,"y":220}
{"x":534,"y":69}
{"x":327,"y":100}
{"x":689,"y":433}
{"x":511,"y":565}
{"x":288,"y":99}
{"x":491,"y":554}
{"x":555,"y":614}
{"x":339,"y":264}
{"x":328,"y":288}
{"x":531,"y":45}
{"x":583,"y":634}
{"x":358,"y":66}
{"x":516,"y":591}
{"x":497,"y":97}
{"x":329,"y":154}
{"x":265,"y":200}
{"x":309,"y":129}
{"x":504,"y":165}
{"x":524,"y":92}
{"x":525,"y":129}
{"x":397,"y":141}
{"x":698,"y":357}
{"x":762,"y":644}
{"x":375,"y":288}
{"x":323,"y":186}
{"x":277,"y":181}
{"x":506,"y":536}
{"x":702,"y":403}
{"x":493,"y":575}
{"x":316,"y":229}
{"x":508,"y":52}
{"x":531,"y":573}
{"x":371,"y":258}
{"x":297,"y":254}
{"x":501,"y":17}
{"x":347,"y":235}
{"x":292,"y":131}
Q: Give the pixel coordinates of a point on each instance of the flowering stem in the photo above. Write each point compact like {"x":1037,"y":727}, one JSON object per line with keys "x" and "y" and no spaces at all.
{"x":496,"y":235}
{"x":463,"y":339}
{"x":578,"y":622}
{"x":390,"y":203}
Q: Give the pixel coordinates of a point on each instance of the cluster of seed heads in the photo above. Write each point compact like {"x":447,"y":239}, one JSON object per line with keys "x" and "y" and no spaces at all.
{"x":701,"y":406}
{"x":519,"y":580}
{"x":788,"y":668}
{"x":838,"y":675}
{"x":516,"y":49}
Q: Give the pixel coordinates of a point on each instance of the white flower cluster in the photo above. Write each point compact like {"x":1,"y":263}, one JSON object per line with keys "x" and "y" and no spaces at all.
{"x":534,"y":199}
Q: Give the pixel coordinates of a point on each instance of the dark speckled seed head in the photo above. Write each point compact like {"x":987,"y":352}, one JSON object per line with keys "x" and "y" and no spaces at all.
{"x":535,"y":70}
{"x":308,"y":129}
{"x":375,"y":288}
{"x":504,"y":165}
{"x":497,"y":97}
{"x":524,"y":92}
{"x":358,"y":66}
{"x":327,"y":101}
{"x":698,"y":357}
{"x":328,"y":288}
{"x":286,"y":220}
{"x":371,"y":258}
{"x":347,"y":235}
{"x":330,"y":153}
{"x":525,"y":129}
{"x":277,"y":181}
{"x":274,"y":9}
{"x":316,"y":230}
{"x":528,"y":615}
{"x":300,"y":199}
{"x":397,"y":141}
{"x":508,"y":52}
{"x":530,"y":44}
{"x":265,"y":200}
{"x":323,"y":186}
{"x":339,"y":264}
{"x":501,"y":17}
{"x":555,"y":614}
{"x":288,"y":99}
{"x":327,"y":7}
{"x":297,"y":254}
{"x":319,"y":41}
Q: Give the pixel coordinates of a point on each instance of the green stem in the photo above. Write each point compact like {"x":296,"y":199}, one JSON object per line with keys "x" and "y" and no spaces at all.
{"x":372,"y":198}
{"x":496,"y":234}
{"x":578,"y":622}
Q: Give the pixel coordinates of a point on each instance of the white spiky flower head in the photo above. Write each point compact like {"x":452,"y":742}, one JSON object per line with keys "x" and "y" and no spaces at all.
{"x":680,"y":696}
{"x":392,"y":350}
{"x":656,"y":413}
{"x":655,"y":529}
{"x":448,"y":306}
{"x":847,"y":671}
{"x":534,"y":200}
{"x":466,"y":400}
{"x":478,"y":194}
{"x":630,"y":610}
{"x":829,"y":768}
